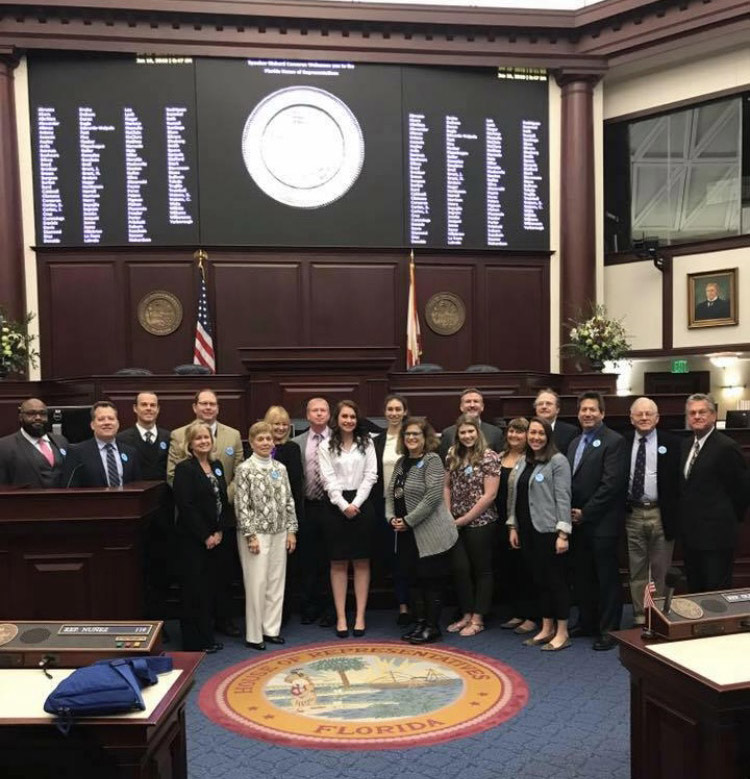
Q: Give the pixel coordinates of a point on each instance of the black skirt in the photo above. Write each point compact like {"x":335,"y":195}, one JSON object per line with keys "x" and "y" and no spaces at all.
{"x":350,"y":539}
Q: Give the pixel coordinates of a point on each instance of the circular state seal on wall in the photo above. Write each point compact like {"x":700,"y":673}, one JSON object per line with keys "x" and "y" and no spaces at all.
{"x":378,"y":695}
{"x":445,"y":313}
{"x":303,"y":147}
{"x":159,"y":312}
{"x":8,"y":631}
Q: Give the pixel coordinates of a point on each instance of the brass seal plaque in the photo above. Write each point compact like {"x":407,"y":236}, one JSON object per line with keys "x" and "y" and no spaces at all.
{"x":445,"y":313}
{"x":8,"y":631}
{"x":160,"y":312}
{"x":687,"y":609}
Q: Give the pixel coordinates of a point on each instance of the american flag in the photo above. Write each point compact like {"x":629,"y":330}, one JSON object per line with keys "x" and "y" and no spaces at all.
{"x":203,"y":351}
{"x":648,"y":596}
{"x":413,"y":333}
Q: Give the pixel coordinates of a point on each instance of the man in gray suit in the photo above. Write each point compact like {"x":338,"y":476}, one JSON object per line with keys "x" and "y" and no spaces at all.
{"x":315,"y":589}
{"x":32,"y":457}
{"x":472,"y":404}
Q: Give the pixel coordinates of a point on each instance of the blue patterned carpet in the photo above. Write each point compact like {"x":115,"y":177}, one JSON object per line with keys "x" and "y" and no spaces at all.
{"x":575,"y":725}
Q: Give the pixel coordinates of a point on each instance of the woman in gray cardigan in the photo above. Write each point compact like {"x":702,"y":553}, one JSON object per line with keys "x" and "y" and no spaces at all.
{"x":539,"y":524}
{"x":424,"y":529}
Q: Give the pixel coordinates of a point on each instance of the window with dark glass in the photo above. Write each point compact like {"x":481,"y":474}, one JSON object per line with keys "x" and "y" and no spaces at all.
{"x":678,"y":177}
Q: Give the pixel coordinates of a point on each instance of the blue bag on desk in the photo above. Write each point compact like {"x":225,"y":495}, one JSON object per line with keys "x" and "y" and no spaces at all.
{"x":106,"y":687}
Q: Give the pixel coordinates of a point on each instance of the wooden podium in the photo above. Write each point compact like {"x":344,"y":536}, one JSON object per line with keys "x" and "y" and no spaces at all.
{"x":74,"y":554}
{"x":689,"y":706}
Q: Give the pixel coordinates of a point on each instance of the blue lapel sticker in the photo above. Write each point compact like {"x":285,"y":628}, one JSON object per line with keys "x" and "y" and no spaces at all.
{"x":539,"y":477}
{"x":468,"y":470}
{"x":662,"y":450}
{"x":275,"y":474}
{"x":123,"y":457}
{"x":163,"y":445}
{"x":217,"y":471}
{"x":420,"y":463}
{"x":596,"y":443}
{"x":63,"y":452}
{"x":229,"y":450}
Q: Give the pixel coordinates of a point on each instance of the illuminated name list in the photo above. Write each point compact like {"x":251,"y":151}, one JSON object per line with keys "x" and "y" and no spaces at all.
{"x":419,"y":205}
{"x":49,"y":184}
{"x":455,"y":192}
{"x":495,"y":174}
{"x":134,"y":180}
{"x":177,"y":167}
{"x":532,"y":201}
{"x":91,"y":178}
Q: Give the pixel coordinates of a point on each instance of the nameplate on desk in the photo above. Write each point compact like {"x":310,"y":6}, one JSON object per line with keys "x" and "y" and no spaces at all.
{"x":104,"y":630}
{"x":736,"y":597}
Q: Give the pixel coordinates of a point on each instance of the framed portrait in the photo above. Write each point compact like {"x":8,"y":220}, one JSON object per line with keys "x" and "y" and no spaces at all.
{"x":712,"y":298}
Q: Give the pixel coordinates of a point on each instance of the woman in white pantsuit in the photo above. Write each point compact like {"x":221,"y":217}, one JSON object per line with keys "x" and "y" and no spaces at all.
{"x":266,"y":533}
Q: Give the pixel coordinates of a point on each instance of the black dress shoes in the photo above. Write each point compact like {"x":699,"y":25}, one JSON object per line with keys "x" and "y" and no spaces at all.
{"x":604,"y":643}
{"x":417,"y":627}
{"x":210,"y":650}
{"x":274,"y":639}
{"x":427,"y":635}
{"x":228,"y":628}
{"x":259,"y":645}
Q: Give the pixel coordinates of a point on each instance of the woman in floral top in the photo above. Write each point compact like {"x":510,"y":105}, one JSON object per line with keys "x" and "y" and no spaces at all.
{"x":470,"y":489}
{"x":266,"y":532}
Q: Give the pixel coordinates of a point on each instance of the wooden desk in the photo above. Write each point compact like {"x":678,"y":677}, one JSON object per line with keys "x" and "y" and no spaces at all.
{"x":152,"y":747}
{"x":684,"y":725}
{"x":76,"y":553}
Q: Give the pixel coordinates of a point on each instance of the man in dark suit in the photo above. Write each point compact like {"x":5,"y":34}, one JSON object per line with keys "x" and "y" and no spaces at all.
{"x":101,"y":461}
{"x":652,"y":503}
{"x":713,"y":307}
{"x":316,"y":598}
{"x":32,"y":457}
{"x":472,"y":404}
{"x":714,"y":495}
{"x":547,"y":406}
{"x":597,"y":459}
{"x":151,"y":444}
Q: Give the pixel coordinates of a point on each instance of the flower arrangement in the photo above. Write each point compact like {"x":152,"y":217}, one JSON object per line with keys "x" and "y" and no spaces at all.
{"x":597,"y":337}
{"x":16,"y":345}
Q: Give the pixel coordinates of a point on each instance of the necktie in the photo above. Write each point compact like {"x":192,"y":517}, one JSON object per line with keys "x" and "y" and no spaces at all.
{"x":639,"y":472}
{"x":582,"y":444}
{"x":149,"y":436}
{"x":46,"y":451}
{"x":314,"y":482}
{"x":693,"y":457}
{"x":113,"y":475}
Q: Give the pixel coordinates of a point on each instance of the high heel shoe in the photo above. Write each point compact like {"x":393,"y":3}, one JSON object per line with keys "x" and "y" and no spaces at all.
{"x":359,"y":632}
{"x":342,"y":633}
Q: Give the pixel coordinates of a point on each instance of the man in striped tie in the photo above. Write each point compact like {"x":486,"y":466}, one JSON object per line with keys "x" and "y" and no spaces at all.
{"x":32,"y":457}
{"x":101,"y":461}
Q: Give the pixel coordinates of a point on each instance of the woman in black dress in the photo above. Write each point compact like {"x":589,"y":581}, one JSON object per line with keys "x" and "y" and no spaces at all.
{"x":203,"y":516}
{"x":349,"y":471}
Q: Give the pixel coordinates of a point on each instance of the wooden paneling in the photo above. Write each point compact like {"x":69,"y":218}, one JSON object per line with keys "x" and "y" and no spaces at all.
{"x":352,"y":304}
{"x":84,"y":312}
{"x":258,"y":304}
{"x":515,"y":333}
{"x":160,"y":352}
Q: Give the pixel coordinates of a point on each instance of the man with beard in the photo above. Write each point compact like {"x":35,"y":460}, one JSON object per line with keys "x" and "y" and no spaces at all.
{"x":32,"y":457}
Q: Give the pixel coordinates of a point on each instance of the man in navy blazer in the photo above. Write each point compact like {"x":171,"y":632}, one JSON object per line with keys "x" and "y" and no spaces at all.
{"x":472,"y":404}
{"x":32,"y":457}
{"x":652,"y":519}
{"x":597,"y":459}
{"x":714,"y":495}
{"x":86,"y":463}
{"x":547,"y":406}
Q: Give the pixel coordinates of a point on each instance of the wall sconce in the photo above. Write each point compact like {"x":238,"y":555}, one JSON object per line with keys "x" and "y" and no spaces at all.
{"x":733,"y":390}
{"x":723,"y":359}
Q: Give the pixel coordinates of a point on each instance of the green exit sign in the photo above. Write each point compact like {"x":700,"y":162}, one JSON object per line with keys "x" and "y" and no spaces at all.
{"x":680,"y":366}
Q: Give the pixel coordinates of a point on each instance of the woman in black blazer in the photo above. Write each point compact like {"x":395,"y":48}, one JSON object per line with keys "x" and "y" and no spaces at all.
{"x":289,"y":454}
{"x":387,"y":454}
{"x":203,"y":516}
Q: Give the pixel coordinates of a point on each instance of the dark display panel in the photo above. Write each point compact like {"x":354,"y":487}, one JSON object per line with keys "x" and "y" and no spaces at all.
{"x":114,"y":149}
{"x":282,"y":153}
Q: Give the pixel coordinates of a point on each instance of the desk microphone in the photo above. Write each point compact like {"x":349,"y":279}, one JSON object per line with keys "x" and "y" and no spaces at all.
{"x":72,"y":474}
{"x":671,"y":580}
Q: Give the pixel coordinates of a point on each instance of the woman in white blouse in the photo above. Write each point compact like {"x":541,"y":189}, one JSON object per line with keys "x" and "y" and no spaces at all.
{"x":349,"y":470}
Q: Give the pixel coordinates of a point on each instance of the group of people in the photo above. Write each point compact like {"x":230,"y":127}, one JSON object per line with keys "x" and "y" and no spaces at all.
{"x":542,"y":505}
